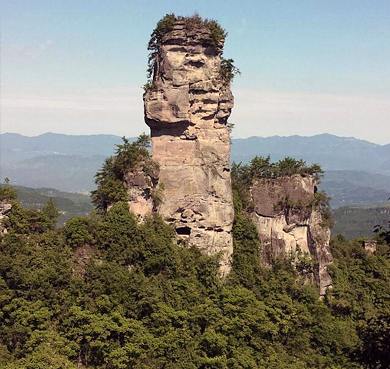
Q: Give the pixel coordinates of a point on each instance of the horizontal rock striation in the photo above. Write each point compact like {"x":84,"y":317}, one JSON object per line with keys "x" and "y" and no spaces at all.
{"x":290,"y":225}
{"x":187,"y":107}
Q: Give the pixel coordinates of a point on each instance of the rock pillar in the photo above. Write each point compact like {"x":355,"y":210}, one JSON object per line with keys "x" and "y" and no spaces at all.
{"x":187,"y":107}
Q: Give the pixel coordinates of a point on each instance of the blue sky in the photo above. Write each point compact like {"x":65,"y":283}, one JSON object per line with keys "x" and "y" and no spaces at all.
{"x":308,"y":66}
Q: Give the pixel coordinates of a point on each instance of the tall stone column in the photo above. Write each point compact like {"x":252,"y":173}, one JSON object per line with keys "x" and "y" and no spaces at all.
{"x":187,"y":107}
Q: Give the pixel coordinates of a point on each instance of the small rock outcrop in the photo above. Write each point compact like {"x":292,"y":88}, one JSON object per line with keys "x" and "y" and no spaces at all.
{"x":289,"y":223}
{"x":187,"y":106}
{"x":5,"y":209}
{"x":370,"y":246}
{"x":142,"y":190}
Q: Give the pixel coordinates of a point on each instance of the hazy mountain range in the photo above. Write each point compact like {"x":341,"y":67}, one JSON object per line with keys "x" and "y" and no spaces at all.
{"x":357,"y":171}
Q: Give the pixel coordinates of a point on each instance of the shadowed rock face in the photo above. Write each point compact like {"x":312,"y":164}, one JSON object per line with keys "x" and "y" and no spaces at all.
{"x":187,"y":112}
{"x":284,"y":226}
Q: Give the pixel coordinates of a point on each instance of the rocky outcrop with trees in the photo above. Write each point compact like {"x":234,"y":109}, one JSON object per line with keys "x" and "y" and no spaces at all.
{"x":292,"y":218}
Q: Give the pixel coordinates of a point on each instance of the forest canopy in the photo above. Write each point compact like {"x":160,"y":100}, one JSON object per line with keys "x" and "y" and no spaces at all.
{"x":106,"y":292}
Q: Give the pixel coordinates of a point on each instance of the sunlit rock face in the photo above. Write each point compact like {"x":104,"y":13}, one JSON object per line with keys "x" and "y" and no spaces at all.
{"x":140,"y":186}
{"x":289,"y":225}
{"x":5,"y":209}
{"x":187,"y":110}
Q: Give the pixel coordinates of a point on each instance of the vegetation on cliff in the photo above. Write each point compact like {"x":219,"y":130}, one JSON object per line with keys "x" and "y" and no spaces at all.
{"x":110,"y":179}
{"x":262,"y":167}
{"x":244,"y":176}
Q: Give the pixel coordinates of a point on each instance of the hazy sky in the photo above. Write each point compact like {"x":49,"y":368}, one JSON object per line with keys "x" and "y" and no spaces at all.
{"x":308,"y":66}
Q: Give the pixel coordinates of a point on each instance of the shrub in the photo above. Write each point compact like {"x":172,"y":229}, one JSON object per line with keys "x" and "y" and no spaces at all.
{"x":228,"y":70}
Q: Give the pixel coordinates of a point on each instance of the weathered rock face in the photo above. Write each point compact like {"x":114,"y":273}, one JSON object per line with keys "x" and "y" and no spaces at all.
{"x":287,"y":223}
{"x":370,"y":246}
{"x":141,"y":187}
{"x":5,"y":209}
{"x":187,"y":111}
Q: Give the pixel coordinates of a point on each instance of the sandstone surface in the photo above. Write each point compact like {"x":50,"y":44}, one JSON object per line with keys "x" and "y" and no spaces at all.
{"x":187,"y":109}
{"x":290,"y":225}
{"x":5,"y":209}
{"x":141,"y":188}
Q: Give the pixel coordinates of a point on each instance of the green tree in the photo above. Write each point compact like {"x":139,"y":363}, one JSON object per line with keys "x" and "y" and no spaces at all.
{"x":375,"y":350}
{"x":51,"y":212}
{"x":78,"y":232}
{"x":228,"y":70}
{"x":7,"y":193}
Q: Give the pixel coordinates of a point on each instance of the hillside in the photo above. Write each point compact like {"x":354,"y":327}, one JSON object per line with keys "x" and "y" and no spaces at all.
{"x":355,"y":188}
{"x":353,"y":222}
{"x":69,"y":204}
{"x":67,"y":163}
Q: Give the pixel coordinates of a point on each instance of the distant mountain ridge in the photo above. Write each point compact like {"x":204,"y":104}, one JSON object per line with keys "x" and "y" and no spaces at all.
{"x":332,"y":152}
{"x":64,"y":162}
{"x":357,"y":171}
{"x":17,"y":147}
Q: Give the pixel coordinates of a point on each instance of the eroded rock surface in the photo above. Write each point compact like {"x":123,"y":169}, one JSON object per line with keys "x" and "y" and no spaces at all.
{"x":5,"y":209}
{"x":289,"y":224}
{"x":187,"y":110}
{"x":142,"y":189}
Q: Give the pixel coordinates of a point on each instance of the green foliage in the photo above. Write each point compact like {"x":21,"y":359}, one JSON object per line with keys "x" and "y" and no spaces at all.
{"x":262,"y":167}
{"x":145,"y":302}
{"x":327,"y":218}
{"x":27,"y":221}
{"x":228,"y":70}
{"x":243,"y":176}
{"x":164,"y":26}
{"x":304,"y":263}
{"x":375,"y":351}
{"x":360,"y":296}
{"x":353,"y":222}
{"x":7,"y":193}
{"x":149,"y":86}
{"x":51,"y":212}
{"x":78,"y":232}
{"x":382,"y":233}
{"x":246,"y":257}
{"x":157,"y":194}
{"x":109,"y":179}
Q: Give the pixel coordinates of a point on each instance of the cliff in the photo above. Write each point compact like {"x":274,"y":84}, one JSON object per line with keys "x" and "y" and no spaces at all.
{"x":186,"y":106}
{"x":290,"y":224}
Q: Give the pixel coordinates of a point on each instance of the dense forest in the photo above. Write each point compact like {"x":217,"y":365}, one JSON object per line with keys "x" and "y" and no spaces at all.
{"x":106,"y":292}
